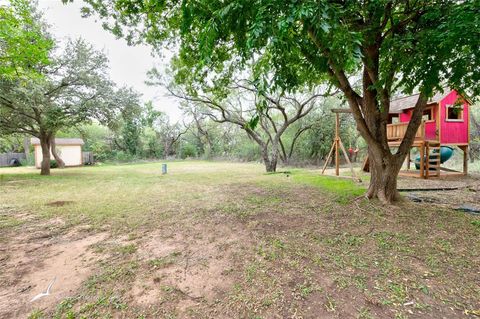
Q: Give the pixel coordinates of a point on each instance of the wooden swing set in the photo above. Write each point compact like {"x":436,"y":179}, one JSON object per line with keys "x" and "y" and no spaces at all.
{"x":337,"y":145}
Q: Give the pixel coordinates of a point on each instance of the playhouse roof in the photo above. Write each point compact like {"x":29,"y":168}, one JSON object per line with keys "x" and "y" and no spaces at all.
{"x":408,"y":102}
{"x":60,"y":141}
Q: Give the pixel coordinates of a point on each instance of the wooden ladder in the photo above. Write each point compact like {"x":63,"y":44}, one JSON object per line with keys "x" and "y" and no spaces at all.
{"x":432,"y":162}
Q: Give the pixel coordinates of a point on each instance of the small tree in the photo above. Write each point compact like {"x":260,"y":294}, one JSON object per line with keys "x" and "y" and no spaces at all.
{"x":74,"y":89}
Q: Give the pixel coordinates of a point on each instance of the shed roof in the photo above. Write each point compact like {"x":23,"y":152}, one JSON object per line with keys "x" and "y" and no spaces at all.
{"x":60,"y":141}
{"x":408,"y":102}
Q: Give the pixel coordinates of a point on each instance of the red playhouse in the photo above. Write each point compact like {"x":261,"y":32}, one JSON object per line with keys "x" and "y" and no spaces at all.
{"x":445,"y":124}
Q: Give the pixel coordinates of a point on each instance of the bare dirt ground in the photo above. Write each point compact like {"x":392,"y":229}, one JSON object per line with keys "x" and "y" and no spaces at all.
{"x":240,"y":244}
{"x":34,"y":258}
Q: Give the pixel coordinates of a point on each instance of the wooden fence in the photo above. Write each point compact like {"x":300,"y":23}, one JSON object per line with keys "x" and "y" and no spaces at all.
{"x":6,"y":159}
{"x":88,"y":158}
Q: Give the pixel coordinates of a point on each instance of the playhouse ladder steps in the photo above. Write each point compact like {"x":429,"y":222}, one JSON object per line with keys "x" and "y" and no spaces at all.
{"x":433,"y":158}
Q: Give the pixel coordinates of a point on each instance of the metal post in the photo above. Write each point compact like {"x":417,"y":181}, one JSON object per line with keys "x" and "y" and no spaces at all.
{"x":164,"y":169}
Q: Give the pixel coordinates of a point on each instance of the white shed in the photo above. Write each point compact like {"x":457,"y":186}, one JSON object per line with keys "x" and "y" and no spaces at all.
{"x":69,"y":150}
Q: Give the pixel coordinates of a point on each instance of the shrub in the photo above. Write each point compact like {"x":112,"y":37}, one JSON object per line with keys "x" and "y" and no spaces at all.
{"x":121,"y":156}
{"x":29,"y":162}
{"x":188,"y":150}
{"x":53,"y":164}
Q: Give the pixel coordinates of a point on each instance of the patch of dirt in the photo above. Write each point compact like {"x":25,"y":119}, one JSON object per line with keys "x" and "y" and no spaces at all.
{"x":195,"y":264}
{"x":35,"y":261}
{"x":60,"y":203}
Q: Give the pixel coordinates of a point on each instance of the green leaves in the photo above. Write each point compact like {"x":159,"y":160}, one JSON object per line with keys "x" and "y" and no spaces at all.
{"x":253,"y":122}
{"x":298,"y":43}
{"x":24,"y":44}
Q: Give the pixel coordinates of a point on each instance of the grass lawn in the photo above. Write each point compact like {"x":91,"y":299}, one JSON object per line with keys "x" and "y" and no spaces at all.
{"x":226,"y":240}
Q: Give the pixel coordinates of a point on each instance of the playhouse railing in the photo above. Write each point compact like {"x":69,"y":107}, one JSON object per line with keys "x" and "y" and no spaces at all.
{"x":397,"y":131}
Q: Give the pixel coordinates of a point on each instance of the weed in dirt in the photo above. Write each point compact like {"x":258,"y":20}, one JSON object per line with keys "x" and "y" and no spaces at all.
{"x":398,"y":293}
{"x":9,"y":221}
{"x":330,"y":304}
{"x":127,"y":249}
{"x":36,"y":314}
{"x":112,"y":274}
{"x":364,"y":313}
{"x":251,"y":271}
{"x":163,"y":262}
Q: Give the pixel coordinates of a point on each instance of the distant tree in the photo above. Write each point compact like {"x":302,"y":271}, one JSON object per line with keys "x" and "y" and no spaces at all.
{"x":278,"y":114}
{"x":170,"y":134}
{"x":167,"y":133}
{"x":200,"y":129}
{"x":396,"y":46}
{"x":128,"y":124}
{"x":74,"y":89}
{"x":151,"y":141}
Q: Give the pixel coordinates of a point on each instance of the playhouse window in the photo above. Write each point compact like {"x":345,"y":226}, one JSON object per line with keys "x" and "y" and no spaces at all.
{"x":454,"y":113}
{"x":393,"y":118}
{"x":428,"y":114}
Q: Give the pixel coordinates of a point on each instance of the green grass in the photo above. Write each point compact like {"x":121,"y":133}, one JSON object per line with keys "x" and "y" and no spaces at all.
{"x":289,"y":244}
{"x":121,"y":196}
{"x":342,"y":189}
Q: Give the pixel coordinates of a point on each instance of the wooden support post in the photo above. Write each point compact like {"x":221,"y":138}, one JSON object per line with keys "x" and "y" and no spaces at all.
{"x":427,"y":160}
{"x":337,"y":144}
{"x":337,"y":158}
{"x":465,"y":159}
{"x":409,"y":159}
{"x":328,"y":157}
{"x":422,"y":163}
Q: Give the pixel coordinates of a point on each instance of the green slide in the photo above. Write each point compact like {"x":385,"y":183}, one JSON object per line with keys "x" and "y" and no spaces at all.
{"x":446,"y":152}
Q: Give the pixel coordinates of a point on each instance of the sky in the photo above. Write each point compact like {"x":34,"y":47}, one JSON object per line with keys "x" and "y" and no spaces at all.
{"x":128,"y":64}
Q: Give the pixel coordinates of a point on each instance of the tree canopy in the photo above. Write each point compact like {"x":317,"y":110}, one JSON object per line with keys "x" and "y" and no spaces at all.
{"x":24,"y":44}
{"x":421,"y":43}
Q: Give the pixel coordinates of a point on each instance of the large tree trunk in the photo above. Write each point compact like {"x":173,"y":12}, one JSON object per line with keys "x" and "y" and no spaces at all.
{"x":383,"y":177}
{"x":60,"y":162}
{"x":270,"y":161}
{"x":45,"y":145}
{"x":270,"y":165}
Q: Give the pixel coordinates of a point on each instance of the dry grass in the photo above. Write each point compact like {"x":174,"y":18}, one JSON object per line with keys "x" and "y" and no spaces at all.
{"x":225,"y":240}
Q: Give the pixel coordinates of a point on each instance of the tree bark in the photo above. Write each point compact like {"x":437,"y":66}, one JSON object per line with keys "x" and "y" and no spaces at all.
{"x":383,"y":177}
{"x":45,"y":145}
{"x":271,"y":160}
{"x":60,"y":162}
